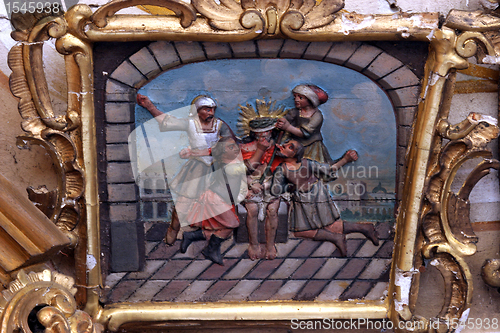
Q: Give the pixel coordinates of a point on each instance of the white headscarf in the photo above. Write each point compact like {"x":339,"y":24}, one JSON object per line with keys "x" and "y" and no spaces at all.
{"x":201,"y":101}
{"x":313,"y":93}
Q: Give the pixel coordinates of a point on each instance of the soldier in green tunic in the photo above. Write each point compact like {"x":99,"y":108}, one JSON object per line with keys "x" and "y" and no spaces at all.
{"x":313,"y":214}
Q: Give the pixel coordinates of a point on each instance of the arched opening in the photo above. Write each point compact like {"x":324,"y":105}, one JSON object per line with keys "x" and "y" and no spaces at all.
{"x":387,"y":75}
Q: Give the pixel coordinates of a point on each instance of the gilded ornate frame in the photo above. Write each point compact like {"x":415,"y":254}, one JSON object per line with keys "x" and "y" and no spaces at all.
{"x":429,"y":214}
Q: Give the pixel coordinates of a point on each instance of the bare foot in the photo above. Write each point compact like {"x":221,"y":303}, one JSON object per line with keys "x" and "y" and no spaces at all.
{"x":254,"y":251}
{"x":271,"y":252}
{"x":372,"y":234}
{"x":366,"y":228}
{"x":340,"y":242}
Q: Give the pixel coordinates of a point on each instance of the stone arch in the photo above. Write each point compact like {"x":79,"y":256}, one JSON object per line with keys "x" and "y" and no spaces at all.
{"x":399,"y":82}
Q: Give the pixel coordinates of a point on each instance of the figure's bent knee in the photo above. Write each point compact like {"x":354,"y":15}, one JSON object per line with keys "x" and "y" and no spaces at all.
{"x":252,"y":209}
{"x":272,"y":210}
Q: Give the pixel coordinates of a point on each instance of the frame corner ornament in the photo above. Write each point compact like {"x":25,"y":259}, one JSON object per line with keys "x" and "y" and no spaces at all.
{"x":48,"y":294}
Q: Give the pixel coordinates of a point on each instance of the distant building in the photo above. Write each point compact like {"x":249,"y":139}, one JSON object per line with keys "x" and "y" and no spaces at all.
{"x":356,"y":202}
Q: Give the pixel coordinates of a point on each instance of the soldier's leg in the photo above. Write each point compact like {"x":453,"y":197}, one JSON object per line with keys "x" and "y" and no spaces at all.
{"x":213,"y":249}
{"x":182,"y":207}
{"x":365,"y":228}
{"x":173,"y":228}
{"x":324,"y":235}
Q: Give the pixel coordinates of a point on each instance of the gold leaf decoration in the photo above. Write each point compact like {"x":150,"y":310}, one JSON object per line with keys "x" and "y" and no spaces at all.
{"x":55,"y":293}
{"x":264,"y":110}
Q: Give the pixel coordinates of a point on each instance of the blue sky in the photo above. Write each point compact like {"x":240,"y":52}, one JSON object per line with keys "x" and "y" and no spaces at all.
{"x":358,"y":114}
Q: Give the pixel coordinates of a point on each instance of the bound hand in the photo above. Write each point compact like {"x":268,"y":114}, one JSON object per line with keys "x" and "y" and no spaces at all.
{"x":256,"y":187}
{"x":264,"y":143}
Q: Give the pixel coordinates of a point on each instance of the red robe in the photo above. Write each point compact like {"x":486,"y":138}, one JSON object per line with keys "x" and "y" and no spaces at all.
{"x":265,"y":158}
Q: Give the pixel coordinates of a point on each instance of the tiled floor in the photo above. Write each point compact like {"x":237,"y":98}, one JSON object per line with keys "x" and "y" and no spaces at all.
{"x":303,"y":270}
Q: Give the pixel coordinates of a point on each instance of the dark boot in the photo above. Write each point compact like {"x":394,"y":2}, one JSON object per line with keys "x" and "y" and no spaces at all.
{"x":189,"y":237}
{"x":212,"y":250}
{"x":337,"y":239}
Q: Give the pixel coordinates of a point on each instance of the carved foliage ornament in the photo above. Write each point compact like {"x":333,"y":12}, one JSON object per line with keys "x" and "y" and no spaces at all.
{"x":50,"y":296}
{"x":427,"y":200}
{"x":445,"y":214}
{"x":263,"y":17}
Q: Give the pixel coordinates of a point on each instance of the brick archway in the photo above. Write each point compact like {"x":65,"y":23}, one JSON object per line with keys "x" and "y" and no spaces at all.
{"x":401,"y":85}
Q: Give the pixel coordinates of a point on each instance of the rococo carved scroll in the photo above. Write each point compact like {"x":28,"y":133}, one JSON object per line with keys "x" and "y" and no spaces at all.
{"x":53,"y":133}
{"x":49,"y":296}
{"x":444,"y":215}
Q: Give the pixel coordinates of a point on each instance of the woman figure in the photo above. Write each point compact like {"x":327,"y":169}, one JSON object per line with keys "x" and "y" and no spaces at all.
{"x":203,"y":130}
{"x":303,"y":123}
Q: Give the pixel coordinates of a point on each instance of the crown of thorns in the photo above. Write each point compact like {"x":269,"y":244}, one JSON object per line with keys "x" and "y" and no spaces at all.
{"x":262,"y":124}
{"x":260,"y":120}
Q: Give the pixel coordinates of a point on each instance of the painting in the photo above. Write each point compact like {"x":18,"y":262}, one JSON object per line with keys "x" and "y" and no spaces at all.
{"x":305,"y":111}
{"x":327,"y":235}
